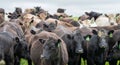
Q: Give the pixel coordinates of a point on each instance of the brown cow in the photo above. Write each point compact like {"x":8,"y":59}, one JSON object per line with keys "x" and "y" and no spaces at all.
{"x":57,"y":51}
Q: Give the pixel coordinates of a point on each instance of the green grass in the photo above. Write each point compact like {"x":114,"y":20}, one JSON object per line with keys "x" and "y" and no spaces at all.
{"x":75,"y":18}
{"x":24,"y":62}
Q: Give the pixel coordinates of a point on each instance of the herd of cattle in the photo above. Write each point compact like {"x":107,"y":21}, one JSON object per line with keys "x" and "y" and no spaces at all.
{"x":46,"y":39}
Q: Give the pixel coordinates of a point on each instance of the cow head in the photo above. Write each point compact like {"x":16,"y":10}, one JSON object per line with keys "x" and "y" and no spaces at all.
{"x":50,"y":26}
{"x":100,"y":38}
{"x":61,"y":10}
{"x":21,"y":49}
{"x":51,"y":48}
{"x":77,"y":41}
{"x":18,"y":10}
{"x":74,"y":42}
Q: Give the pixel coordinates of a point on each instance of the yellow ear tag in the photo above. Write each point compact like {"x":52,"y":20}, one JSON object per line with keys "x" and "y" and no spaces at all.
{"x":111,"y":35}
{"x":87,"y":39}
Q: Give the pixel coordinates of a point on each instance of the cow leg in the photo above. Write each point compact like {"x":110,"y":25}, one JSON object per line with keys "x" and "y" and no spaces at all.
{"x":70,"y":63}
{"x":17,"y":61}
{"x":100,"y":60}
{"x":78,"y":60}
{"x":29,"y":62}
{"x":113,"y":62}
{"x":90,"y":61}
{"x":9,"y":60}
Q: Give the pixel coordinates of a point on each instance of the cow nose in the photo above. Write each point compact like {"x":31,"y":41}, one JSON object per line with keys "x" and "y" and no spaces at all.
{"x":103,"y":46}
{"x":42,"y":56}
{"x":79,"y":51}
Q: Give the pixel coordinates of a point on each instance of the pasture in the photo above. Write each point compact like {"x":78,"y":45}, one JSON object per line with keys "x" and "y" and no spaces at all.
{"x":24,"y":62}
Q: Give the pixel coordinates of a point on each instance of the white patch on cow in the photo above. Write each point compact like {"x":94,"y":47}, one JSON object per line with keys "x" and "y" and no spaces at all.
{"x":102,"y":21}
{"x":112,"y":19}
{"x":88,"y":23}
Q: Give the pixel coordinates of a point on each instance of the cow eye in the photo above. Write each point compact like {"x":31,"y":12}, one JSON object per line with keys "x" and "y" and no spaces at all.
{"x":52,"y":47}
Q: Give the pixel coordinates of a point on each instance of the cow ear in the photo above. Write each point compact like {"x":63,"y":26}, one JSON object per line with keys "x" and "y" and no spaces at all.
{"x":58,"y":43}
{"x":94,"y":32}
{"x":86,"y":13}
{"x":42,"y":41}
{"x":17,"y":39}
{"x":87,"y":37}
{"x":69,"y":36}
{"x":31,"y":21}
{"x":20,"y":23}
{"x":110,"y":33}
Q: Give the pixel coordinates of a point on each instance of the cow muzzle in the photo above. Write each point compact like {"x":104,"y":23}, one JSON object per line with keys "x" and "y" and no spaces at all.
{"x":42,"y":56}
{"x":79,"y":51}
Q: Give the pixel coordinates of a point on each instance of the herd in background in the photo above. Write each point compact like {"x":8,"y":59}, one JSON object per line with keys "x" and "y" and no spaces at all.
{"x":57,"y":39}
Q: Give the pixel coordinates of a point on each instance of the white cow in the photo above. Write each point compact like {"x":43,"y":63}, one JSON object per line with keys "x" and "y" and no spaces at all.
{"x":106,"y":20}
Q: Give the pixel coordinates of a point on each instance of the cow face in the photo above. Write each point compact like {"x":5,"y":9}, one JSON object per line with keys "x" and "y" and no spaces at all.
{"x":102,"y":42}
{"x":77,"y":40}
{"x":50,"y":27}
{"x":102,"y":39}
{"x":21,"y":48}
{"x":51,"y":48}
{"x":99,"y":38}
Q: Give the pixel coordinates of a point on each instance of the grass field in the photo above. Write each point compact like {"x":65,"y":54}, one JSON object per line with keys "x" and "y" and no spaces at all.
{"x":24,"y":62}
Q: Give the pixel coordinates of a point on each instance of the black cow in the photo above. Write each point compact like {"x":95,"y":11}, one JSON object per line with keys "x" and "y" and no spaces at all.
{"x":17,"y":13}
{"x":6,"y":48}
{"x":60,"y":10}
{"x":92,"y":14}
{"x":94,"y":47}
{"x":74,"y":46}
{"x":114,"y":47}
{"x":20,"y":47}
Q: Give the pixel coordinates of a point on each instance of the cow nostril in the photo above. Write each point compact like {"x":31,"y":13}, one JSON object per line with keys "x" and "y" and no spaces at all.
{"x":103,"y":46}
{"x":79,"y":51}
